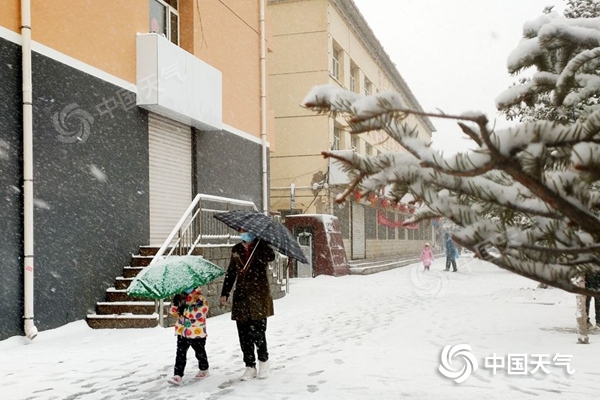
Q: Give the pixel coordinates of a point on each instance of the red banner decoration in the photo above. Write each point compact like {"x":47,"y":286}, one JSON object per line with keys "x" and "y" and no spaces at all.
{"x":383,"y":220}
{"x":412,"y":226}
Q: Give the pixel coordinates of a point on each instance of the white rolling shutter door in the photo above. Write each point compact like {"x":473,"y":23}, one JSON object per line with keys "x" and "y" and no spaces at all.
{"x":358,"y":232}
{"x":170,"y":145}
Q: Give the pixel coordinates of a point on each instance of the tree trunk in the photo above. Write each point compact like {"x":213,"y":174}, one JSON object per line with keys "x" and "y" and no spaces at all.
{"x":582,"y":329}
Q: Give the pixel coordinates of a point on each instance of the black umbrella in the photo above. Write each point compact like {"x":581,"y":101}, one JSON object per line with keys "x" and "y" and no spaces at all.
{"x":264,"y":228}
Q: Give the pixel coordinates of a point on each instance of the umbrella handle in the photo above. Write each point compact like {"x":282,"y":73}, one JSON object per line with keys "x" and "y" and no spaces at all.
{"x":249,"y":261}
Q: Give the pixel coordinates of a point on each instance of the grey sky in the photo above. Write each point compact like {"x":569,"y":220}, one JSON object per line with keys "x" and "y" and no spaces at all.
{"x":452,"y":53}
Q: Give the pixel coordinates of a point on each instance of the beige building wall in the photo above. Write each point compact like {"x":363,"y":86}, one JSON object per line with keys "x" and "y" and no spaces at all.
{"x":299,"y":61}
{"x":98,"y":33}
{"x":226,"y":35}
{"x":306,"y":34}
{"x":102,"y":33}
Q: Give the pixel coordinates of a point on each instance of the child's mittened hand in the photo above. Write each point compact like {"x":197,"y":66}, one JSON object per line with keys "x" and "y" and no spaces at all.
{"x":177,"y":300}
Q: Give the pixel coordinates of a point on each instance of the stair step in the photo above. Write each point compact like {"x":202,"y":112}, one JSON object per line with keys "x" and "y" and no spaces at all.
{"x":96,"y":321}
{"x":365,"y":267}
{"x":122,"y":282}
{"x":129,"y":307}
{"x":140,"y":261}
{"x":131,"y":272}
{"x":113,"y":294}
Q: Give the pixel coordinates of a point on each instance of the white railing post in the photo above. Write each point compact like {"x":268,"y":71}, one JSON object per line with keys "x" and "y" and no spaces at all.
{"x":287,"y":277}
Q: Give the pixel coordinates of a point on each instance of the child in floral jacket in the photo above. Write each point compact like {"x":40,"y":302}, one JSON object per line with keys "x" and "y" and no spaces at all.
{"x":427,"y":257}
{"x":191,"y":309}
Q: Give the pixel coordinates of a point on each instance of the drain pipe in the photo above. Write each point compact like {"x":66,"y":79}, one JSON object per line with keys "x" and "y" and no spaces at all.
{"x":263,"y":106}
{"x":29,"y":327}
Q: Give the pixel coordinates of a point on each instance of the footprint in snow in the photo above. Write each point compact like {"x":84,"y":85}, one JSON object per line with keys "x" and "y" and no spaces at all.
{"x":312,"y":388}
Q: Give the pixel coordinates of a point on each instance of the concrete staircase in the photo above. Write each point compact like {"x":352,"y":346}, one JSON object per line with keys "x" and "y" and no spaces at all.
{"x":123,"y":311}
{"x":373,"y":265}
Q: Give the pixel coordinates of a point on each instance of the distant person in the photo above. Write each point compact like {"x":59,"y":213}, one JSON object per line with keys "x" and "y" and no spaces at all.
{"x":451,"y":253}
{"x":592,"y":281}
{"x":252,"y":302}
{"x":191,"y":309}
{"x":427,"y":257}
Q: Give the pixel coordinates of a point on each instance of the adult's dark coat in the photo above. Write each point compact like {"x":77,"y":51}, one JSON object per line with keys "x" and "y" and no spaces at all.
{"x":252,"y":298}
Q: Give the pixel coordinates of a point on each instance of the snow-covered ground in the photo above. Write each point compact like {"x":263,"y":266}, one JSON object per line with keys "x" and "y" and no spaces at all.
{"x":379,"y":336}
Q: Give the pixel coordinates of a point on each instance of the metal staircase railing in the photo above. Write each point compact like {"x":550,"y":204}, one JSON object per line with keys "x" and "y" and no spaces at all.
{"x":197,"y":228}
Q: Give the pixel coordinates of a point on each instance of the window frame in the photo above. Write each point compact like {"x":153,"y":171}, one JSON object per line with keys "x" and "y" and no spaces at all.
{"x":354,"y":143}
{"x":353,"y":77}
{"x":170,"y":12}
{"x":337,"y":137}
{"x":335,"y":63}
{"x":368,"y":87}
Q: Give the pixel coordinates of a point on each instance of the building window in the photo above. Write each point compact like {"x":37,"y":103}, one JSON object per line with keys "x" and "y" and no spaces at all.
{"x":368,"y":87}
{"x":354,"y":142}
{"x":164,"y":19}
{"x":371,"y":226}
{"x":353,"y":77}
{"x":335,"y":63}
{"x":337,"y":137}
{"x":368,"y":149}
{"x":391,"y":233}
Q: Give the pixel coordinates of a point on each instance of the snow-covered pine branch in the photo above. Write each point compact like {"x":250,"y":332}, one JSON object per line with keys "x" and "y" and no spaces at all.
{"x":518,"y":190}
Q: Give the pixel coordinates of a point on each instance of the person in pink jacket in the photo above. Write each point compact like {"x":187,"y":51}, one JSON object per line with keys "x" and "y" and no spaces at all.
{"x":191,"y":309}
{"x":427,"y":256}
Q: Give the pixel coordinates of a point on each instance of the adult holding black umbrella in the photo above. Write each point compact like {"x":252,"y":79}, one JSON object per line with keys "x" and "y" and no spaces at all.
{"x":252,"y":302}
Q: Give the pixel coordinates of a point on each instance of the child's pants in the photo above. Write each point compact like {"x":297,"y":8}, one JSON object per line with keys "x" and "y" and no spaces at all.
{"x":183,"y":344}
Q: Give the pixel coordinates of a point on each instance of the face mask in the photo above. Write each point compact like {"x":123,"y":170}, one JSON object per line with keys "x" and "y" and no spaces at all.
{"x":247,"y":237}
{"x":190,"y":290}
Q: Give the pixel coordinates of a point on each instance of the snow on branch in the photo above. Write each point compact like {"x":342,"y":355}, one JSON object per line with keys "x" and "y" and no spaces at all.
{"x":527,"y":197}
{"x":529,"y":191}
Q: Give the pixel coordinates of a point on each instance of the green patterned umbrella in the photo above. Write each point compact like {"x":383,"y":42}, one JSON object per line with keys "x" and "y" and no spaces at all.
{"x":172,"y":275}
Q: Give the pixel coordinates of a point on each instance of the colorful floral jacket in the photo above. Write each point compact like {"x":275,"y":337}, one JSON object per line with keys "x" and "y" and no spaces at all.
{"x":191,"y":311}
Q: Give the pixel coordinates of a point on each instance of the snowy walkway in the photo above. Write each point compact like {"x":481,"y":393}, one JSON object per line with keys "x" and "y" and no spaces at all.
{"x":331,"y":340}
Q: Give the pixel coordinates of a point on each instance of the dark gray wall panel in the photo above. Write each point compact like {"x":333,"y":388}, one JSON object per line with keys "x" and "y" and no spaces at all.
{"x":91,"y":191}
{"x":11,"y":204}
{"x":229,"y":165}
{"x":94,"y":191}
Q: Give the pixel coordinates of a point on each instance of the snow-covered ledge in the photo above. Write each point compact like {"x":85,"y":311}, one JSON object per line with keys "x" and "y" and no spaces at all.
{"x":176,"y":84}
